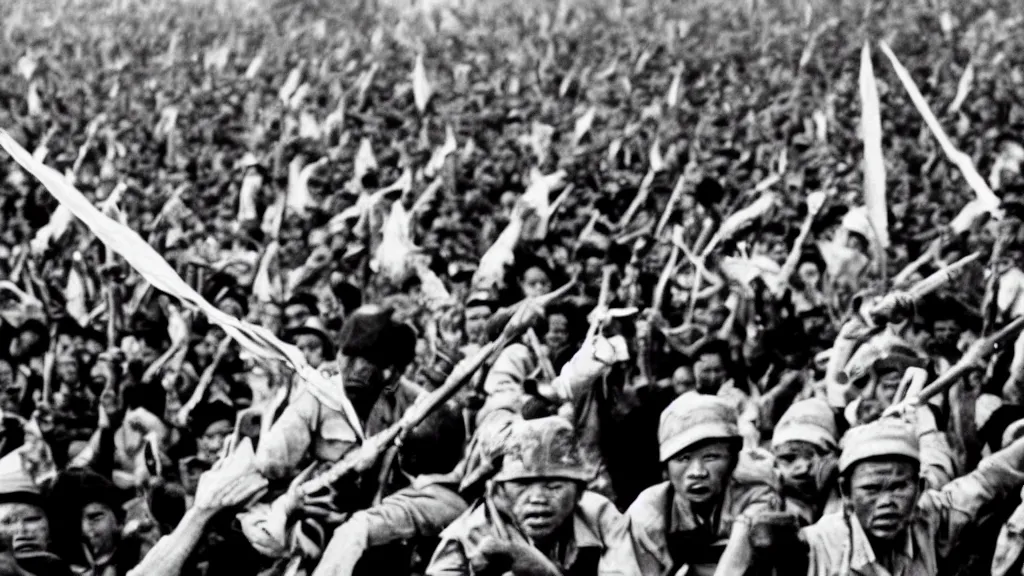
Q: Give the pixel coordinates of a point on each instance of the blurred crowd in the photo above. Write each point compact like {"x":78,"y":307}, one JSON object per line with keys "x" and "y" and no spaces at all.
{"x":573,"y":288}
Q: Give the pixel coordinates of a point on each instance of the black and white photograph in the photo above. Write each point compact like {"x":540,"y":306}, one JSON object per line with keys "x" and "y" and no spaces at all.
{"x":511,"y":288}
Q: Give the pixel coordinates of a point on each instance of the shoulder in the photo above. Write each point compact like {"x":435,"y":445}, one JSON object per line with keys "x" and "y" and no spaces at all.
{"x":471,"y":520}
{"x":599,"y":511}
{"x":830,"y":533}
{"x":650,"y":506}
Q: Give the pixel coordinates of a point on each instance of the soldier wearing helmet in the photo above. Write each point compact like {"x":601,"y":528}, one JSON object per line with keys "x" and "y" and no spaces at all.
{"x":890,"y":522}
{"x":687,"y":520}
{"x":536,"y":517}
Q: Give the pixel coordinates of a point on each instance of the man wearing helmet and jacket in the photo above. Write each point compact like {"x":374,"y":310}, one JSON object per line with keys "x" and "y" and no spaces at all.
{"x":536,"y":517}
{"x":687,"y":520}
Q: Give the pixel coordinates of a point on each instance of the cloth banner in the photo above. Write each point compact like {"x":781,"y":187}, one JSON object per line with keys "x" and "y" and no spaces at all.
{"x":151,"y":266}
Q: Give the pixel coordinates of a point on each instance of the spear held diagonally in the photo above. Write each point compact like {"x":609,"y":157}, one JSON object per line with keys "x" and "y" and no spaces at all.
{"x":895,"y":301}
{"x":972,"y":360}
{"x":364,"y":457}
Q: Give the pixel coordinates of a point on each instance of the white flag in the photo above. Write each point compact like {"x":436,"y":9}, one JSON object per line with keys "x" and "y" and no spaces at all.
{"x":874,"y":163}
{"x":962,"y":88}
{"x":421,"y":89}
{"x":672,"y":99}
{"x":255,"y":65}
{"x":151,"y":266}
{"x":35,"y":104}
{"x":291,"y":84}
{"x":583,"y":124}
{"x":962,"y":161}
{"x":365,"y":162}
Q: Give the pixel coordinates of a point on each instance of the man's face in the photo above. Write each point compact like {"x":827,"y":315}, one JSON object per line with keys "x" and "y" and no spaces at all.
{"x":809,"y":275}
{"x":558,"y":332}
{"x":311,"y":347}
{"x":67,"y":371}
{"x":295,"y":316}
{"x":24,"y":527}
{"x":363,"y":381}
{"x":709,"y":371}
{"x":21,"y":345}
{"x":535,"y":283}
{"x":945,"y":334}
{"x":797,"y":463}
{"x":592,"y":269}
{"x":271,"y":317}
{"x":882,"y":497}
{"x":878,"y":394}
{"x":542,"y":506}
{"x":231,"y":307}
{"x":212,"y":440}
{"x":100,"y":529}
{"x":701,"y":473}
{"x":11,"y":389}
{"x":476,"y":324}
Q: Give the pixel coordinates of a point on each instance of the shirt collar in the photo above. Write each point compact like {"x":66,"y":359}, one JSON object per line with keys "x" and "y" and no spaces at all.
{"x":583,"y":534}
{"x":682,"y":519}
{"x":862,"y":555}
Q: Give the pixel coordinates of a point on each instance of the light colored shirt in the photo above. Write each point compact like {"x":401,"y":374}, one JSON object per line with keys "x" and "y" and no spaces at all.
{"x":662,"y":534}
{"x":838,"y":545}
{"x":594,"y":521}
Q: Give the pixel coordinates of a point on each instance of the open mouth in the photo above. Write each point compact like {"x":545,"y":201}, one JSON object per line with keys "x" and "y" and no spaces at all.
{"x":24,"y":545}
{"x":699,"y":490}
{"x":886,"y":521}
{"x":537,"y":518}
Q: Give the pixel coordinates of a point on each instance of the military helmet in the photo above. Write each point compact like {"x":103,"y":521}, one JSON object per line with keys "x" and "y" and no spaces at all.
{"x":543,"y":448}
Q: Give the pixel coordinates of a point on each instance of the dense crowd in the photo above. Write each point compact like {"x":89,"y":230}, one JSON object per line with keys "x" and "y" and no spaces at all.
{"x":573,"y":288}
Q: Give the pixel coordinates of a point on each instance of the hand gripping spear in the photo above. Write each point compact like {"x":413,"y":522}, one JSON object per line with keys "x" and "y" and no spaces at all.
{"x":366,"y":455}
{"x":973,"y":359}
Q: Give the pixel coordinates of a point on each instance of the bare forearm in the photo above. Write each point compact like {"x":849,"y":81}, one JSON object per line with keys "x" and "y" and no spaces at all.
{"x":169,"y":555}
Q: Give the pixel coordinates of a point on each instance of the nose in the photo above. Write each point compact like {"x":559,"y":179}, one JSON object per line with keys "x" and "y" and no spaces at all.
{"x":886,"y":501}
{"x":696,"y":469}
{"x":536,"y":496}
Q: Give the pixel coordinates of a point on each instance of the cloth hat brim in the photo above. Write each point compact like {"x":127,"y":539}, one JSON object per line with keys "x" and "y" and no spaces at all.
{"x":803,"y":433}
{"x":881,"y":448}
{"x":696,"y":434}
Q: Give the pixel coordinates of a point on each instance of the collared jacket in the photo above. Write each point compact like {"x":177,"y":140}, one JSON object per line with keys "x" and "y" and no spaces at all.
{"x":308,"y":428}
{"x":1010,"y":546}
{"x":839,"y":546}
{"x":662,"y":534}
{"x":593,"y":523}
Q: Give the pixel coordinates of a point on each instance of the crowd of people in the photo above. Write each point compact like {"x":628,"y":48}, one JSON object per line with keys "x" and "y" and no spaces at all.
{"x":558,"y":288}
